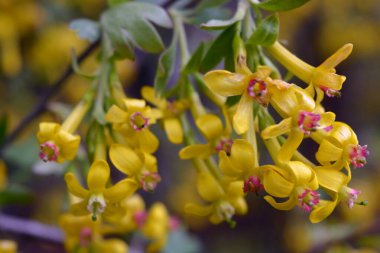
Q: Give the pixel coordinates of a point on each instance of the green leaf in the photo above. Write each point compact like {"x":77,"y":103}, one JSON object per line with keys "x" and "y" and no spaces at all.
{"x":165,"y":68}
{"x":281,"y":5}
{"x":216,"y":24}
{"x":3,"y":127}
{"x":218,"y":49}
{"x":15,"y":195}
{"x":115,"y":2}
{"x":86,"y":29}
{"x":233,"y":100}
{"x":266,"y":32}
{"x":130,"y":24}
{"x":209,"y":4}
{"x":195,"y":60}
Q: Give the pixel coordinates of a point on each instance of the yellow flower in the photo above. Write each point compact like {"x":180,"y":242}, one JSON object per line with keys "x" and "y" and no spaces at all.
{"x":223,"y":203}
{"x":239,"y":165}
{"x":322,"y":77}
{"x":3,"y":175}
{"x":98,"y":199}
{"x":217,"y":138}
{"x":251,"y":87}
{"x":300,"y":123}
{"x":156,"y":227}
{"x":133,"y":122}
{"x":8,"y":246}
{"x":140,"y":167}
{"x":340,"y":148}
{"x":170,"y":113}
{"x":295,"y":181}
{"x":58,"y":143}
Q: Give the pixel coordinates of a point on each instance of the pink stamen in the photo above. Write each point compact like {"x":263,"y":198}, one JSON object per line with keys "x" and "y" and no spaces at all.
{"x":308,"y":121}
{"x":140,"y":218}
{"x":49,"y":152}
{"x":308,"y":199}
{"x":225,"y":145}
{"x":352,"y":195}
{"x":257,"y":89}
{"x":85,"y":236}
{"x":253,"y":184}
{"x":150,"y":180}
{"x":358,"y":155}
{"x":174,"y":223}
{"x":138,"y":121}
{"x":330,"y":92}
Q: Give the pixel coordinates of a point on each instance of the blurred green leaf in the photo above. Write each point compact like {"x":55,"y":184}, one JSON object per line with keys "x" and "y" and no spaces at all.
{"x":219,"y":48}
{"x":130,"y":24}
{"x":266,"y":32}
{"x":165,"y":67}
{"x":86,"y":29}
{"x":216,"y":24}
{"x":195,"y":60}
{"x":231,"y":101}
{"x":210,"y":4}
{"x":3,"y":127}
{"x":15,"y":195}
{"x":281,"y":5}
{"x":180,"y":241}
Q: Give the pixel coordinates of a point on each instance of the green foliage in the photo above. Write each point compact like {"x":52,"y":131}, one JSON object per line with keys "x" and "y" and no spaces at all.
{"x":129,"y":25}
{"x":195,"y":61}
{"x":86,"y":29}
{"x":266,"y":32}
{"x":281,"y":5}
{"x":3,"y":127}
{"x":15,"y":195}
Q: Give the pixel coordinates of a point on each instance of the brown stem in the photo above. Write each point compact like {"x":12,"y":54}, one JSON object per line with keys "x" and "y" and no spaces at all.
{"x":41,"y":106}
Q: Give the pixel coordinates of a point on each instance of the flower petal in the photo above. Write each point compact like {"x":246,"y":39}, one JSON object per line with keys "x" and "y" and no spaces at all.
{"x":275,"y":184}
{"x":123,"y":189}
{"x":328,"y":152}
{"x":125,"y":159}
{"x":327,"y":119}
{"x":323,"y":210}
{"x":208,"y":187}
{"x":195,"y":150}
{"x":291,"y":145}
{"x":276,"y":130}
{"x":330,"y":179}
{"x":287,"y":205}
{"x":227,"y":167}
{"x":242,"y":155}
{"x":301,"y":173}
{"x":79,"y":209}
{"x":116,"y":115}
{"x":338,"y":56}
{"x":173,"y":129}
{"x":148,"y":142}
{"x":74,"y":186}
{"x":134,"y":105}
{"x":243,"y":114}
{"x":195,"y":209}
{"x":226,"y":83}
{"x":262,"y":72}
{"x":47,"y":131}
{"x":68,"y":144}
{"x":342,"y":134}
{"x":98,"y":176}
{"x":210,"y":125}
{"x":149,"y":94}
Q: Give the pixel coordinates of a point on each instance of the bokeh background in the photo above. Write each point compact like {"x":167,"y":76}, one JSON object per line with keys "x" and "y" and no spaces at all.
{"x":35,"y":49}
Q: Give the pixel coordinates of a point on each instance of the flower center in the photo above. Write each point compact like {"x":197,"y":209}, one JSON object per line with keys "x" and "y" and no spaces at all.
{"x":85,"y":236}
{"x":149,"y":181}
{"x":257,"y":89}
{"x":96,"y":205}
{"x":138,"y":121}
{"x":350,"y":195}
{"x":330,"y":92}
{"x":140,"y":218}
{"x":308,"y":199}
{"x":49,"y":152}
{"x":308,"y":122}
{"x":253,"y":184}
{"x":225,"y":211}
{"x":358,"y":155}
{"x":225,"y":145}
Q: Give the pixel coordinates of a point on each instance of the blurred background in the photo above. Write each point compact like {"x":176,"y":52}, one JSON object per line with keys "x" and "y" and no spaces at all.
{"x":35,"y":49}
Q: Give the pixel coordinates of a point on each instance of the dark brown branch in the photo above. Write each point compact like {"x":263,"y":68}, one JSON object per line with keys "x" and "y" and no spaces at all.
{"x":41,"y":106}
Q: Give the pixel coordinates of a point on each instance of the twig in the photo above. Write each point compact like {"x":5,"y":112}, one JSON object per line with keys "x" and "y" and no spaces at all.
{"x":30,"y":228}
{"x":41,"y":106}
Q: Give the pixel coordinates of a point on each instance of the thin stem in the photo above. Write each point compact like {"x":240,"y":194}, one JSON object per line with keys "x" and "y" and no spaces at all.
{"x":41,"y":106}
{"x":250,"y":136}
{"x":180,"y":30}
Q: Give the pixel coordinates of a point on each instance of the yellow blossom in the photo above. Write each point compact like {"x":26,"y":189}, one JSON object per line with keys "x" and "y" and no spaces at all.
{"x":58,"y":143}
{"x":295,"y":181}
{"x":3,"y":175}
{"x":217,"y":138}
{"x":133,"y":122}
{"x":322,"y":77}
{"x":302,"y":121}
{"x":170,"y":113}
{"x":8,"y":246}
{"x":140,"y":167}
{"x":99,"y":200}
{"x":224,"y":202}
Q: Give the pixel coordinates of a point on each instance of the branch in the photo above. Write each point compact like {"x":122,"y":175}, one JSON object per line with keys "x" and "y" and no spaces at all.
{"x":41,"y":106}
